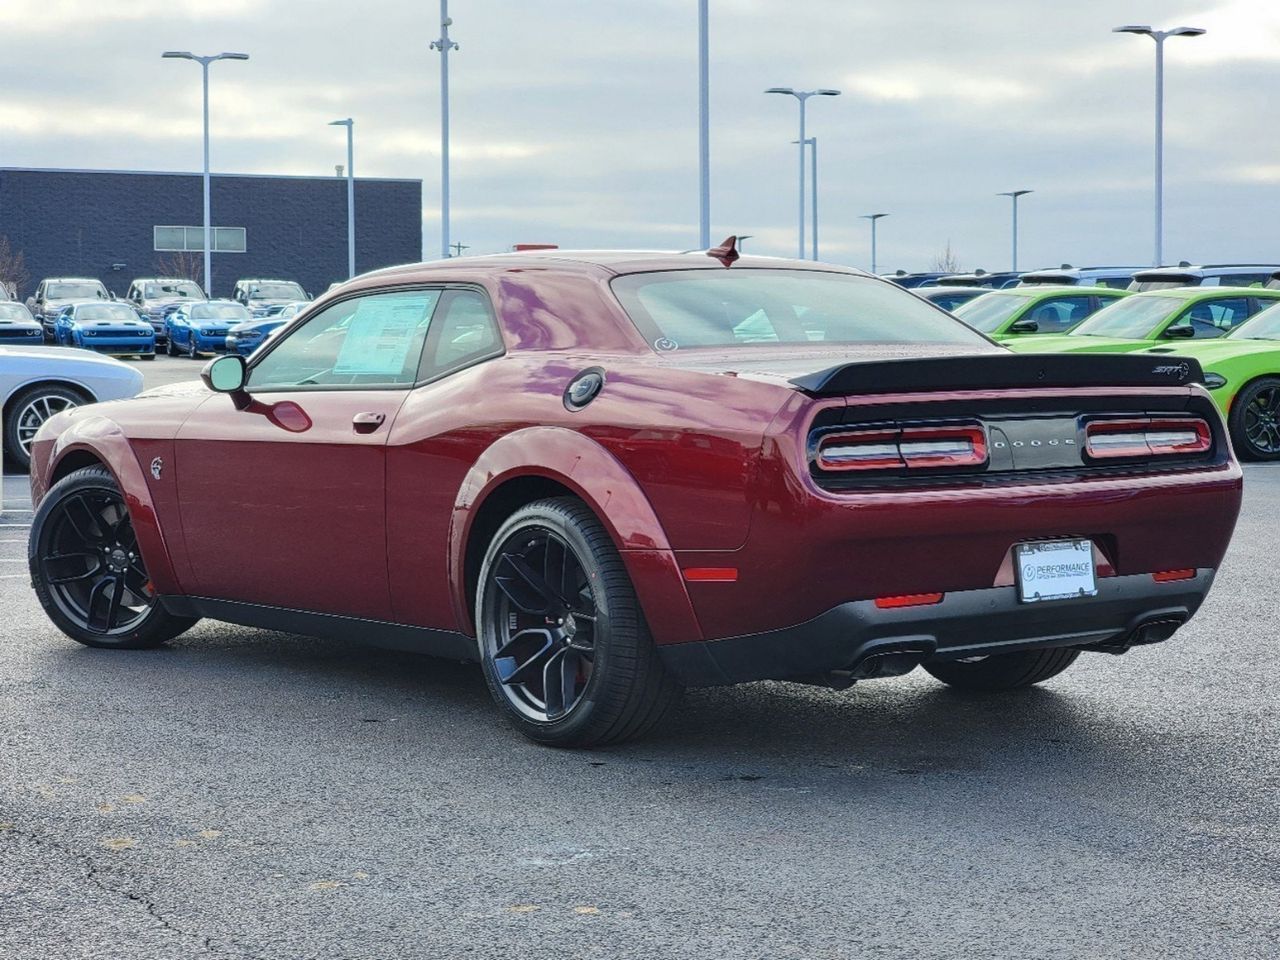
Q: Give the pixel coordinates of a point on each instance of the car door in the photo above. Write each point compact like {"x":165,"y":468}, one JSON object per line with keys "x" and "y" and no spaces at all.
{"x":283,"y":498}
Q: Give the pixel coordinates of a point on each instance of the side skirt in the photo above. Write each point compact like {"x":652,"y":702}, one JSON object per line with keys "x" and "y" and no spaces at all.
{"x":377,"y":633}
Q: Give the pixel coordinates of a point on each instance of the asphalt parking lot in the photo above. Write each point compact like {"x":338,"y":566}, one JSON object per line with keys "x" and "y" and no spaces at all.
{"x":244,"y":793}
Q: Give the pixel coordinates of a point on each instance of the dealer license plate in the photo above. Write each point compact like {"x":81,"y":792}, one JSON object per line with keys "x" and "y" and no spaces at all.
{"x":1055,"y":570}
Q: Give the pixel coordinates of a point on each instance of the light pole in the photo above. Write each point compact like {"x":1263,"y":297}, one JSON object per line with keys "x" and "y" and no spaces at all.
{"x":873,"y":217}
{"x":1159,"y":36}
{"x":802,"y":96}
{"x":1015,"y":194}
{"x":444,"y":45}
{"x":208,"y":228}
{"x":812,"y":144}
{"x":704,"y":129}
{"x":351,"y":193}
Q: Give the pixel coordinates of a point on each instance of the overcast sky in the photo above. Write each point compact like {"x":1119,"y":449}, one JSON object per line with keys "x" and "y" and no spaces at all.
{"x":575,"y":122}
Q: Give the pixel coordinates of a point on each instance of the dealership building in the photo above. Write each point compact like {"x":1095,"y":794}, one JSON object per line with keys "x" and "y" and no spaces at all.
{"x":116,"y":225}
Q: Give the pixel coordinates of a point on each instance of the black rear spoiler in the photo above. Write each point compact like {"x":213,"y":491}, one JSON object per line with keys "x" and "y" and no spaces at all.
{"x":1002,"y":371}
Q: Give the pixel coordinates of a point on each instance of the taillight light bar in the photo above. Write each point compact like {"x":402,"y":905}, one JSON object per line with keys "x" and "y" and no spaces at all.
{"x":899,"y":448}
{"x":1146,"y":437}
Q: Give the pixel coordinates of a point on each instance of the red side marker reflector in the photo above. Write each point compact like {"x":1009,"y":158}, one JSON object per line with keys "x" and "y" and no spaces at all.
{"x":711,"y":574}
{"x":1167,"y":576}
{"x":908,"y":600}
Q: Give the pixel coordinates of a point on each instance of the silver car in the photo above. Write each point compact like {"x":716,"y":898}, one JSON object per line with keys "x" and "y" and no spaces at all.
{"x":37,"y":382}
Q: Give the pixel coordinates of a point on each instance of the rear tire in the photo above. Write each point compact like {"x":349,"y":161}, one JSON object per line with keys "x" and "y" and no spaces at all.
{"x":567,"y":654}
{"x":1254,"y":420}
{"x":87,"y":570}
{"x":1003,"y":671}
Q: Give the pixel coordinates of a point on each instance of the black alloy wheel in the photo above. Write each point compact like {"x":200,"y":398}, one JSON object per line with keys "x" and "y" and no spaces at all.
{"x":87,"y":567}
{"x":563,"y":644}
{"x":1255,"y":420}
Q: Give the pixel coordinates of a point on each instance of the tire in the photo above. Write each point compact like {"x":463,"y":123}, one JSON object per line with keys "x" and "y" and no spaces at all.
{"x":191,"y":346}
{"x":170,"y":347}
{"x":612,"y":683}
{"x":26,"y":412}
{"x":1003,"y":671}
{"x":1254,"y":420}
{"x":147,"y":356}
{"x":83,"y":520}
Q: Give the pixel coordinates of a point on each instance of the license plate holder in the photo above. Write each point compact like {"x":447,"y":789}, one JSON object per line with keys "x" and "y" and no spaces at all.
{"x":1055,"y":570}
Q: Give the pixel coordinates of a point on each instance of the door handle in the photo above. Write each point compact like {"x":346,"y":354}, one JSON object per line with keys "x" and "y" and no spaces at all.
{"x":367,"y":422}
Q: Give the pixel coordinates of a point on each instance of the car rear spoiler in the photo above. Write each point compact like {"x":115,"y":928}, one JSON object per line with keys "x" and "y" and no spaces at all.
{"x":1001,"y":371}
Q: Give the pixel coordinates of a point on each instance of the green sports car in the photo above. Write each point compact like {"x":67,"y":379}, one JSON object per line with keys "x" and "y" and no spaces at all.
{"x":1184,"y":315}
{"x":1242,"y":372}
{"x":1041,"y":310}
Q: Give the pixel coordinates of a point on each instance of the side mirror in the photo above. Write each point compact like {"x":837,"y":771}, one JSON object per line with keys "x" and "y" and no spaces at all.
{"x":1024,"y":326}
{"x":225,"y":374}
{"x":1179,"y":332}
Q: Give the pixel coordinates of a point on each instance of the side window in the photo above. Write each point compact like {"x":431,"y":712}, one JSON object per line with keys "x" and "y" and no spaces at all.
{"x":374,"y":340}
{"x":1059,"y":314}
{"x":463,"y":332}
{"x":1214,"y":318}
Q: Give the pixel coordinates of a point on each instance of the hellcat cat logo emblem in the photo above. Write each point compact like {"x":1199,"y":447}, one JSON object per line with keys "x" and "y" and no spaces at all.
{"x":157,"y":467}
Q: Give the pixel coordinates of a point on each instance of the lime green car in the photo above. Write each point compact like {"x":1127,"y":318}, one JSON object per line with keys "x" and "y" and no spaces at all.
{"x":1041,"y":310}
{"x":1242,"y":372}
{"x":1182,"y":315}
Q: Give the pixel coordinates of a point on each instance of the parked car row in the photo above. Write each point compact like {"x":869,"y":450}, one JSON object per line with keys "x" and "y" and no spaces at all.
{"x":1117,"y":277}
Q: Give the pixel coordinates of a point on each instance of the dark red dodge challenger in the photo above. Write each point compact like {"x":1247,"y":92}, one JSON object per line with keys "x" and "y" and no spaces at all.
{"x":606,"y":476}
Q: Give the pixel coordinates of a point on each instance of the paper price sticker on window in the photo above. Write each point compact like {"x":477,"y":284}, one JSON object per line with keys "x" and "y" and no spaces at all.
{"x":381,"y":334}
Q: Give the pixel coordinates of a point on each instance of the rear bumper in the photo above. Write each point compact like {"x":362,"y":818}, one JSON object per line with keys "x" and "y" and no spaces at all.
{"x":850,"y":637}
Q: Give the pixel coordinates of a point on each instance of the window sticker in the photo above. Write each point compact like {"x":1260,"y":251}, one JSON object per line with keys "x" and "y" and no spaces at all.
{"x":381,"y":334}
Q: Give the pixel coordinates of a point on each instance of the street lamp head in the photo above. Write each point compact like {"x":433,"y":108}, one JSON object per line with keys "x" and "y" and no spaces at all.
{"x":232,"y":56}
{"x":827,"y":93}
{"x":341,"y":123}
{"x":786,"y":90}
{"x":873,"y":216}
{"x":1134,"y":28}
{"x":1187,"y":32}
{"x":1015,"y":193}
{"x":178,"y":55}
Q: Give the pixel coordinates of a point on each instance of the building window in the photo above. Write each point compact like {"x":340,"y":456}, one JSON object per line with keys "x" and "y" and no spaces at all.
{"x":184,"y":239}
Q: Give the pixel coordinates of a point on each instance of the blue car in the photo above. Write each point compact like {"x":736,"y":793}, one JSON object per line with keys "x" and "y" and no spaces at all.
{"x":113,"y":328}
{"x":196,"y":328}
{"x":17,"y":325}
{"x":244,"y":338}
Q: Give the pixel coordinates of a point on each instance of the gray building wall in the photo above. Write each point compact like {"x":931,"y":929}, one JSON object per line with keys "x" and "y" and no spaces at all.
{"x":85,"y":223}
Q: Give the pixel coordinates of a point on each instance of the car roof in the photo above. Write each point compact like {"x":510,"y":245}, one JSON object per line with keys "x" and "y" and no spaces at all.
{"x":71,"y":280}
{"x":1200,"y":293}
{"x":1198,"y":268}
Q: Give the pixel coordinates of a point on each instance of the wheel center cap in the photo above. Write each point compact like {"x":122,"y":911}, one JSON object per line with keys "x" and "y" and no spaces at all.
{"x":118,"y":559}
{"x":570,"y":626}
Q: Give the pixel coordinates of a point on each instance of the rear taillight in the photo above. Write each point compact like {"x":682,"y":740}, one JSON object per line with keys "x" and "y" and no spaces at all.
{"x":1146,"y":437}
{"x":910,"y":448}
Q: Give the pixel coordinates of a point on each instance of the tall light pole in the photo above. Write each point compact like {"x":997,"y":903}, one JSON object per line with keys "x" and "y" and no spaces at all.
{"x":812,"y":144}
{"x":802,"y":96}
{"x":704,"y":129}
{"x":873,"y":217}
{"x":351,"y":193}
{"x":208,"y":228}
{"x":1159,"y":36}
{"x":444,"y":45}
{"x":1015,"y":194}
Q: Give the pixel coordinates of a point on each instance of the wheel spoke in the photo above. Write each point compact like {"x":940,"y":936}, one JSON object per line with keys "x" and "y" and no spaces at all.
{"x":84,"y":521}
{"x":96,"y":595}
{"x":559,"y":679}
{"x":555,"y":566}
{"x":512,"y":667}
{"x":75,"y":555}
{"x":525,"y":587}
{"x":117,"y":594}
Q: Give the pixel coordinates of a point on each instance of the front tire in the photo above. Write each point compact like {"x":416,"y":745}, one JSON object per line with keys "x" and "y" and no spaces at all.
{"x":170,"y":347}
{"x":191,"y":346}
{"x":87,"y":569}
{"x":563,"y":643}
{"x":1254,"y":420}
{"x":1003,"y":671}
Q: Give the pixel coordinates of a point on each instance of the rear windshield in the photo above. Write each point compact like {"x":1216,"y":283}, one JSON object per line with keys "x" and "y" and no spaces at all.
{"x":1262,"y":326}
{"x":218,"y":311}
{"x":1134,"y":318}
{"x":724,"y":308}
{"x":88,"y":290}
{"x":991,"y":312}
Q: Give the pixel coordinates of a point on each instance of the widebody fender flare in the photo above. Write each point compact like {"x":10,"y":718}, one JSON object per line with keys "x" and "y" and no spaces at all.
{"x":582,"y":465}
{"x":105,"y":441}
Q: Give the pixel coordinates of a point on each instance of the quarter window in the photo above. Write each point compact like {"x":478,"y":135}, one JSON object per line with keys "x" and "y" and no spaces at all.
{"x":464,"y":332}
{"x":373,"y":340}
{"x":1214,"y":318}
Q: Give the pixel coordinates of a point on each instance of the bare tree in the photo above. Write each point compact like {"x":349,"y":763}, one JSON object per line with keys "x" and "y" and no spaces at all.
{"x":13,"y":267}
{"x":181,"y":263}
{"x":947,"y":261}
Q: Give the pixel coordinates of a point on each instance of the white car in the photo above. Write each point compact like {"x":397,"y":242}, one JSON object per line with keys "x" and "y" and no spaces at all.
{"x":37,"y":382}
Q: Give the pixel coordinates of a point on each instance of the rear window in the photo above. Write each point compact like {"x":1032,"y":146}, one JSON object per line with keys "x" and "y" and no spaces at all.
{"x":726,"y":308}
{"x":991,"y":312}
{"x":1164,"y":281}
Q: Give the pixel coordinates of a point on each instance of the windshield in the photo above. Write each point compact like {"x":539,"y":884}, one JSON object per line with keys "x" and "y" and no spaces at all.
{"x":1134,"y":318}
{"x":105,"y":311}
{"x":175,"y":289}
{"x":676,"y":309}
{"x":14,"y":311}
{"x":276,"y":290}
{"x":82,"y":290}
{"x":989,"y":313}
{"x":1262,"y":326}
{"x":219,"y":311}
